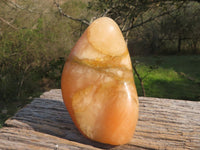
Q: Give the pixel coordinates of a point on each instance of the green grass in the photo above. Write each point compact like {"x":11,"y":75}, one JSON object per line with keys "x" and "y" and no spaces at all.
{"x":176,"y":77}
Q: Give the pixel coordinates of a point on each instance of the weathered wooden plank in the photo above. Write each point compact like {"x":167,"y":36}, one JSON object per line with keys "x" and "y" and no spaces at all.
{"x":163,"y":124}
{"x":16,"y":138}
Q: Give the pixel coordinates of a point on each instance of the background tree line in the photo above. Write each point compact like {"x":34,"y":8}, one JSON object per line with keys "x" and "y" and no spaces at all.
{"x":155,"y":27}
{"x":162,"y":27}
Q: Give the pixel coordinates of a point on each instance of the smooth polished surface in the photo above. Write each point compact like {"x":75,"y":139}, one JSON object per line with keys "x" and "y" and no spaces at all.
{"x":98,"y":86}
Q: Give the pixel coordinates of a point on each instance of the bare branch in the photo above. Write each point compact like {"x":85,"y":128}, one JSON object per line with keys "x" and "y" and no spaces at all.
{"x":125,"y":20}
{"x":150,"y":19}
{"x":106,"y":12}
{"x":18,"y":6}
{"x":6,"y":22}
{"x":84,"y":21}
{"x":146,"y":21}
{"x":140,"y":79}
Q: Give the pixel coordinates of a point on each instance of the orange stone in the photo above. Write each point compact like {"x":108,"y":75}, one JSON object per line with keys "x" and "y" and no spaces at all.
{"x":98,"y":86}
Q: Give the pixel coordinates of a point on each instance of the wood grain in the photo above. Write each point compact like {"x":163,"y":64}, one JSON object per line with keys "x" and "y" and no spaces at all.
{"x":46,"y":124}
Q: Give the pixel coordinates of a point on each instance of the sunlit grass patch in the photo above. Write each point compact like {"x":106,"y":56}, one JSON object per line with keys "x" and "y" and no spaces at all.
{"x":166,"y":80}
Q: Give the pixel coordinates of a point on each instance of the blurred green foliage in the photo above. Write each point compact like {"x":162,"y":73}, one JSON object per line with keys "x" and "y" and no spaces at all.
{"x":32,"y":55}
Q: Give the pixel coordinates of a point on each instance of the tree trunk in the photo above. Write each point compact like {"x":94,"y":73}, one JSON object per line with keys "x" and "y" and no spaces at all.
{"x":134,"y":68}
{"x":179,"y":43}
{"x":140,"y":79}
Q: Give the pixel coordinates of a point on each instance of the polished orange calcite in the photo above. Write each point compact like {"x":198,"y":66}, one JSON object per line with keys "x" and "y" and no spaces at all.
{"x":98,"y":86}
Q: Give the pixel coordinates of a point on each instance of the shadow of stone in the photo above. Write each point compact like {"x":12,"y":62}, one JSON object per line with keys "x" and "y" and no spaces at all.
{"x":51,"y":117}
